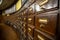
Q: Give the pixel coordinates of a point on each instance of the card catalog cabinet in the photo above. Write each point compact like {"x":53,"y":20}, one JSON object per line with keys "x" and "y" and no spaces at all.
{"x":19,"y":18}
{"x":34,"y":25}
{"x":46,"y":22}
{"x":24,"y":28}
{"x":24,"y":18}
{"x":38,"y":35}
{"x":31,"y":20}
{"x":30,"y":30}
{"x":29,"y":37}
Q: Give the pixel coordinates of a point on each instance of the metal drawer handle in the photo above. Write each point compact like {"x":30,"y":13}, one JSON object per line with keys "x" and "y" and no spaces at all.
{"x":29,"y":29}
{"x":30,"y":9}
{"x":43,"y":21}
{"x":45,"y":1}
{"x":24,"y":25}
{"x":42,"y":25}
{"x":29,"y":19}
{"x":24,"y":18}
{"x":40,"y":38}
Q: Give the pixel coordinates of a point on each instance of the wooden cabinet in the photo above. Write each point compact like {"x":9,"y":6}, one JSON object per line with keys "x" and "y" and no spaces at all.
{"x":33,"y":25}
{"x":47,"y":22}
{"x":24,"y":28}
{"x":29,"y":37}
{"x":24,"y":18}
{"x":30,"y":30}
{"x":39,"y":35}
{"x":31,"y":19}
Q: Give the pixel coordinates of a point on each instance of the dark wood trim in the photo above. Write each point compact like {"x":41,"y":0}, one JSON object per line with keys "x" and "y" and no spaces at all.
{"x":58,"y":27}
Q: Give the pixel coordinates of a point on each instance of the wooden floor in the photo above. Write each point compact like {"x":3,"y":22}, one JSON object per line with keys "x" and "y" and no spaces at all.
{"x":7,"y":33}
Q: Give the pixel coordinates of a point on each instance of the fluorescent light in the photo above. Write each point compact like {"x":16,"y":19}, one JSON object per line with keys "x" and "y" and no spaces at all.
{"x":43,"y":2}
{"x":38,"y":8}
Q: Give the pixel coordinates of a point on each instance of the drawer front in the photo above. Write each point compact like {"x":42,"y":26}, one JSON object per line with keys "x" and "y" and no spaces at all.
{"x":31,"y":13}
{"x":23,"y":37}
{"x":31,"y":10}
{"x":46,"y":22}
{"x":39,"y":36}
{"x":24,"y":13}
{"x":24,"y":19}
{"x":20,"y":18}
{"x":29,"y":37}
{"x":31,"y":20}
{"x":24,"y":28}
{"x":30,"y":31}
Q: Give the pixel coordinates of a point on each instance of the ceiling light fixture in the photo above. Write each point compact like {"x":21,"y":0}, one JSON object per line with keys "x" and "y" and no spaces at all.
{"x":43,"y":2}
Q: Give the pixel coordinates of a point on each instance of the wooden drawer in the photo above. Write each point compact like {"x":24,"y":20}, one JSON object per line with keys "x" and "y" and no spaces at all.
{"x":24,"y":30}
{"x":24,"y":18}
{"x":24,"y":27}
{"x":20,"y":18}
{"x":38,"y":35}
{"x":30,"y":13}
{"x":31,"y":10}
{"x":29,"y":37}
{"x":23,"y":37}
{"x":30,"y":30}
{"x":46,"y":22}
{"x":24,"y":13}
{"x":31,"y":20}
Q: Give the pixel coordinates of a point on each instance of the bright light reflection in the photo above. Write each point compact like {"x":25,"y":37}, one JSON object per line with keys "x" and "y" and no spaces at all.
{"x":38,"y":8}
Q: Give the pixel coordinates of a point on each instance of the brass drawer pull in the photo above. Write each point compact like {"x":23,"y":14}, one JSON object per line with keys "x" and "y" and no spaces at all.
{"x":29,"y":29}
{"x":43,"y":21}
{"x":40,"y":38}
{"x":29,"y":19}
{"x":24,"y":25}
{"x":24,"y":18}
{"x":42,"y":25}
{"x":30,"y":9}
